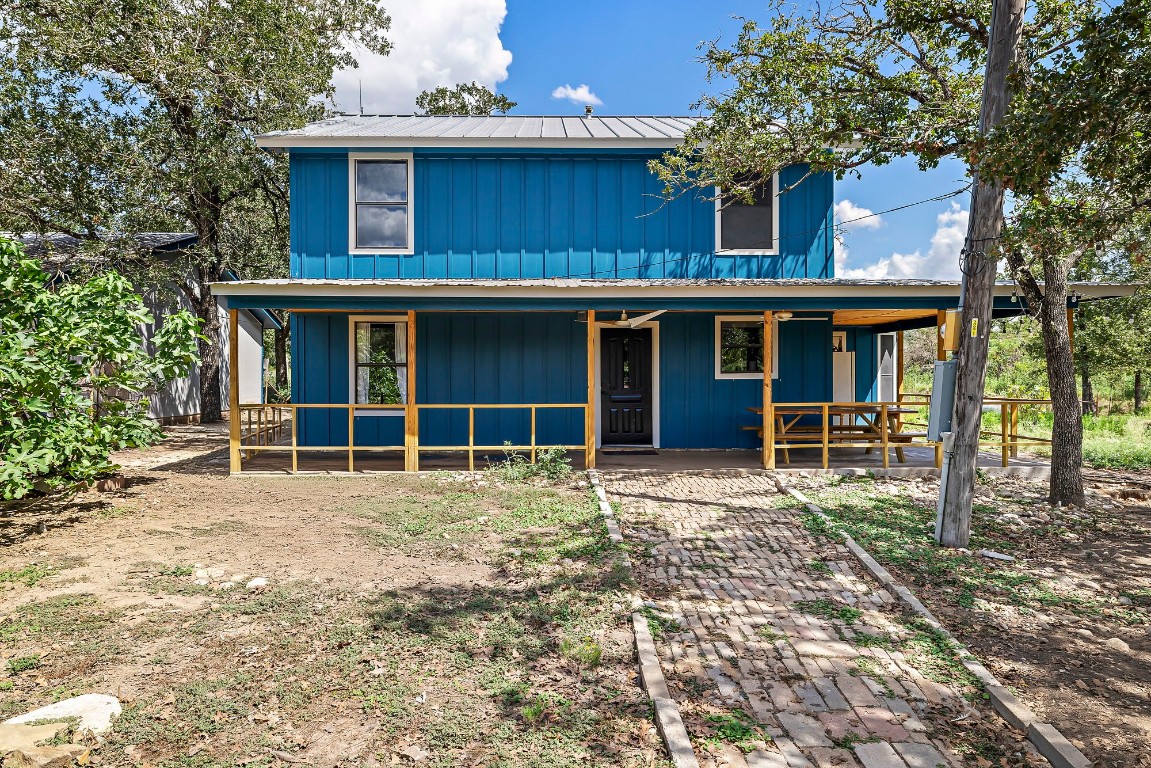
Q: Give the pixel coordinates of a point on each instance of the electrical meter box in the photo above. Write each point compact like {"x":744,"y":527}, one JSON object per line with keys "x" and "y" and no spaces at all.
{"x":950,"y":331}
{"x":942,"y":399}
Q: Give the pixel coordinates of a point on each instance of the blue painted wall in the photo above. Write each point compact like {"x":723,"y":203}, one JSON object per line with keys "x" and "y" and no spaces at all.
{"x":541,"y":357}
{"x":530,"y":215}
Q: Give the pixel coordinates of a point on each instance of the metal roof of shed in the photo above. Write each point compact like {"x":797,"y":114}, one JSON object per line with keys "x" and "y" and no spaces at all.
{"x":493,"y":130}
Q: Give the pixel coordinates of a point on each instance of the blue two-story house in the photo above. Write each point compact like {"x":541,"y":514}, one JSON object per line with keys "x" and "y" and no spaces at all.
{"x":462,"y":283}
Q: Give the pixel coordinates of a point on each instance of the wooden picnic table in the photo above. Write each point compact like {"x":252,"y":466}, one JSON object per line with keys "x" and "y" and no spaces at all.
{"x":860,"y":425}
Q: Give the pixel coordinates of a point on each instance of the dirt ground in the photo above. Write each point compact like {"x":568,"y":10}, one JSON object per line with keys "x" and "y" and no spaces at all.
{"x":280,"y":620}
{"x":1066,"y":624}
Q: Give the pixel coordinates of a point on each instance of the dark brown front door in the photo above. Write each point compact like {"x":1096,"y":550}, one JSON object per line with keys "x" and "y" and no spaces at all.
{"x":626,"y":386}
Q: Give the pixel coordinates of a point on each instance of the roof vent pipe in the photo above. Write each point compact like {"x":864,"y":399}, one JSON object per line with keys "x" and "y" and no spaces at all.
{"x":587,"y":110}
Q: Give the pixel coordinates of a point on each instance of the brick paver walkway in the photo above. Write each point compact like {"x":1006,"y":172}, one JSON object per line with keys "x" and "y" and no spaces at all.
{"x":731,"y":561}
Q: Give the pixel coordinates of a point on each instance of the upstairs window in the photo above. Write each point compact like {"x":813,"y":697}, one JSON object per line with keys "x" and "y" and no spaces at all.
{"x":748,"y":227}
{"x":380,"y":361}
{"x":381,"y":192}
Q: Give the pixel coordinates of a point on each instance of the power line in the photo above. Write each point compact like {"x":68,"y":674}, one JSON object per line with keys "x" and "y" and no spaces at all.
{"x":719,"y":251}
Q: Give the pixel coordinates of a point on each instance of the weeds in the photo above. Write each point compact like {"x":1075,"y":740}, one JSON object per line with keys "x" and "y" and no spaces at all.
{"x":29,"y":575}
{"x":551,"y":463}
{"x":23,"y":663}
{"x":830,"y":610}
{"x":659,"y":624}
{"x":586,"y":653}
{"x":736,"y":728}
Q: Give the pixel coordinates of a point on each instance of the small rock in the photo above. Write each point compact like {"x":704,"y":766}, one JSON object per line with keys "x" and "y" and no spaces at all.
{"x":225,"y":585}
{"x":414,"y":753}
{"x":257,"y":583}
{"x":216,"y":573}
{"x":1085,"y":633}
{"x":1116,"y":644}
{"x":56,"y":756}
{"x":1124,"y":601}
{"x":94,"y":711}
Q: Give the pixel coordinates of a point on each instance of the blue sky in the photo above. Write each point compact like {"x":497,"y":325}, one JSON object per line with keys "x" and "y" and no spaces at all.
{"x":642,"y":57}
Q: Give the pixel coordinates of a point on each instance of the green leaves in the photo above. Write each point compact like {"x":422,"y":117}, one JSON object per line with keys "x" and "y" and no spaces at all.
{"x":464,"y":99}
{"x":75,"y":372}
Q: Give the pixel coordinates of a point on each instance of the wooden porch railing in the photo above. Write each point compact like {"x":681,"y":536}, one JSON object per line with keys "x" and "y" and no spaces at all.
{"x":884,"y":426}
{"x":263,"y":426}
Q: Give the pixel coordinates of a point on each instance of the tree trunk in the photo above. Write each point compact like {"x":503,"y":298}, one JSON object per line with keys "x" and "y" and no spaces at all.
{"x":979,"y":267}
{"x":1066,"y":485}
{"x":280,"y":337}
{"x":211,"y":389}
{"x":1088,"y":391}
{"x":1138,"y":391}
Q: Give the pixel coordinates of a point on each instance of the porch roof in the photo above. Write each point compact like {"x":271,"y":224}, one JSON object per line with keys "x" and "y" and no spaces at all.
{"x":890,"y":301}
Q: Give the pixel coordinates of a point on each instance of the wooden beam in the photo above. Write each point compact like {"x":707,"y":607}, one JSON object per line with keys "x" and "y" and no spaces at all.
{"x":234,"y":390}
{"x":592,"y":395}
{"x":411,"y":412}
{"x":768,"y":414}
{"x":940,"y":319}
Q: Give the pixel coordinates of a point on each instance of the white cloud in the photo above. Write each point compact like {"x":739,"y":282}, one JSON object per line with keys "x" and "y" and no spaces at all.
{"x":434,"y":43}
{"x":581,"y":95}
{"x":941,"y":262}
{"x":852,"y":217}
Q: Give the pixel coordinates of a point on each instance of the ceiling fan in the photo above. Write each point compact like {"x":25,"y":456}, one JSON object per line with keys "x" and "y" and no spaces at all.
{"x":785,"y":316}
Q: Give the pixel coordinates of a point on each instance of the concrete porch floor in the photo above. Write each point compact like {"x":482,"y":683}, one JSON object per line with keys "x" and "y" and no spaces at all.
{"x":920,"y":461}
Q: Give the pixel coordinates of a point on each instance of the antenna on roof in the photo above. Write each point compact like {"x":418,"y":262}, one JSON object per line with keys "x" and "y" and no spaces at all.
{"x":587,"y":110}
{"x":361,"y":96}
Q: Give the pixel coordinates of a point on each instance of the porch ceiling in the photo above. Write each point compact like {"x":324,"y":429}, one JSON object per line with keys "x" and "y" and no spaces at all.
{"x":917,"y":298}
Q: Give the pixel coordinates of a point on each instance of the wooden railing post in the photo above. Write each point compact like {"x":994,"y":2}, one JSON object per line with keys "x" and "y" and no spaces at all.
{"x":533,"y":434}
{"x":885,"y":435}
{"x":768,"y":411}
{"x":295,"y":443}
{"x":1004,"y":426}
{"x":589,"y":416}
{"x":826,"y":419}
{"x":352,"y":437}
{"x":233,"y":391}
{"x":1015,"y":430}
{"x":471,"y":438}
{"x":411,"y":412}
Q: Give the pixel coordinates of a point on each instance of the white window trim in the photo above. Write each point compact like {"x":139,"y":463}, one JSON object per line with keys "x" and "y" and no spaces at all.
{"x":775,"y":205}
{"x":407,"y":157}
{"x":399,"y":408}
{"x":719,"y":319}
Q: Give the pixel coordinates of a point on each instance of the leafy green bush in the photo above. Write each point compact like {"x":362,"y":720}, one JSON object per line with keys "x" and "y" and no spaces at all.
{"x":73,"y":369}
{"x":552,"y":463}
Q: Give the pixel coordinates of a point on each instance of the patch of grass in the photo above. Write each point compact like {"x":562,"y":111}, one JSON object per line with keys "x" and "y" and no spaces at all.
{"x":818,"y":525}
{"x":585,"y":653}
{"x":830,"y":610}
{"x":29,"y":575}
{"x":659,"y":624}
{"x":849,"y":740}
{"x":770,"y":634}
{"x":868,"y":640}
{"x":736,"y":728}
{"x":551,"y":464}
{"x":898,"y":531}
{"x":20,"y":664}
{"x":544,"y":708}
{"x":936,"y":656}
{"x":178,"y":570}
{"x":818,"y":566}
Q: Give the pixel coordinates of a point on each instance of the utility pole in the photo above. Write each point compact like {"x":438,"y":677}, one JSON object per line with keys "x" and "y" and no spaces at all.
{"x":978,"y":265}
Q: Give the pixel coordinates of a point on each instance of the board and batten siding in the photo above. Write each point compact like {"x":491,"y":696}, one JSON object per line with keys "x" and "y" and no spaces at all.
{"x":523,"y":215}
{"x":540,"y":357}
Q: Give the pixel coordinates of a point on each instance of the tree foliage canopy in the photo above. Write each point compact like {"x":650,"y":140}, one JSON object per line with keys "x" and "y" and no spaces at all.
{"x":464,"y":99}
{"x":845,"y":85}
{"x":73,"y":368}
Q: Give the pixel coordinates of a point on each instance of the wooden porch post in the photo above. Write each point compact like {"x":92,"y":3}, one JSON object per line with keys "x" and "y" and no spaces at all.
{"x":411,"y":412}
{"x":590,"y":411}
{"x":768,"y":413}
{"x":233,"y":391}
{"x":940,"y":319}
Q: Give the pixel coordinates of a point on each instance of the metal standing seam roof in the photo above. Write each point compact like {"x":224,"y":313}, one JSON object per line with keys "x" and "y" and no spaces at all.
{"x":454,"y":129}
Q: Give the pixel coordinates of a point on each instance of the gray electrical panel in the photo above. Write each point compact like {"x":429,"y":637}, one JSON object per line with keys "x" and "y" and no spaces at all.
{"x":942,"y":399}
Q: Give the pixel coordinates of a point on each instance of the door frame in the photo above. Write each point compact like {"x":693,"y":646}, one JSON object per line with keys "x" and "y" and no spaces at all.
{"x":654,"y":326}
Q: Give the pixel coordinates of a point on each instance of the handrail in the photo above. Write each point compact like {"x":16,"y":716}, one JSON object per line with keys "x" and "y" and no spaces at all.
{"x":264,"y":430}
{"x":881,"y":422}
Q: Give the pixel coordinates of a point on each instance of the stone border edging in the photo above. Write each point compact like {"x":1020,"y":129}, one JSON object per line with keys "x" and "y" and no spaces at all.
{"x":667,"y":718}
{"x":1052,"y":744}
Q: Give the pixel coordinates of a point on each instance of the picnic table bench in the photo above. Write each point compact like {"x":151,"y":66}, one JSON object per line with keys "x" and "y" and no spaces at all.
{"x":859,"y":425}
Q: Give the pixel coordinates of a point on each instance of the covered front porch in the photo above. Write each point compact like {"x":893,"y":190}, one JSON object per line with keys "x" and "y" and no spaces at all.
{"x":422,"y":375}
